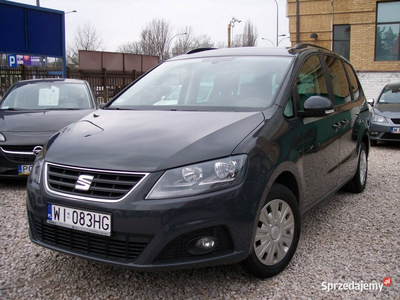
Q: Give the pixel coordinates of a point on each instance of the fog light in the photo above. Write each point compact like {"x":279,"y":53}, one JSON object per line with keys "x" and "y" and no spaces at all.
{"x":374,"y":133}
{"x":201,"y":245}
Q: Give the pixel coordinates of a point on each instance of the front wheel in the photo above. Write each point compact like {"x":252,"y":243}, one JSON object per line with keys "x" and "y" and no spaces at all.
{"x":277,"y":234}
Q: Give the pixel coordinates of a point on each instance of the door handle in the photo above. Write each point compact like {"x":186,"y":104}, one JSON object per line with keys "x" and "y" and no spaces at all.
{"x":344,"y":122}
{"x":336,"y":125}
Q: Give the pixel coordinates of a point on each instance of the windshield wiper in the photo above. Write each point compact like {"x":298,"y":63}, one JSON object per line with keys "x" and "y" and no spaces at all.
{"x":13,"y":109}
{"x":119,"y":108}
{"x":63,"y":108}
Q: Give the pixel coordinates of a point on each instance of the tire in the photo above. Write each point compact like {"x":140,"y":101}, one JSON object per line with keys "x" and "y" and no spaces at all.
{"x":274,"y":248}
{"x":358,"y":182}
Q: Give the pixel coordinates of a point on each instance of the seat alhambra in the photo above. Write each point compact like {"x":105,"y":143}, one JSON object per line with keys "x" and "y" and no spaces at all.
{"x":253,"y":139}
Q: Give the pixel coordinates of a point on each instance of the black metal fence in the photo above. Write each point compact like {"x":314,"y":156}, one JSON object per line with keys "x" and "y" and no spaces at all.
{"x":105,"y":84}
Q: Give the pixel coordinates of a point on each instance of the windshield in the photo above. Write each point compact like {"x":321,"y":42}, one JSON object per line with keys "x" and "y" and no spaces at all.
{"x":208,"y":83}
{"x":48,"y":95}
{"x":390,"y":96}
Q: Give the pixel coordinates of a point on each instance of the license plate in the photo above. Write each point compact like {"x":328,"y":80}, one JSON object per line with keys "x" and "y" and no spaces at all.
{"x":78,"y":219}
{"x":396,"y":130}
{"x":24,"y":169}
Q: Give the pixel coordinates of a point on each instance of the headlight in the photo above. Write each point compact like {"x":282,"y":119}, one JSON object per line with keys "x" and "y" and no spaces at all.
{"x":2,"y":137}
{"x":200,"y":178}
{"x":36,"y":173}
{"x":379,"y":119}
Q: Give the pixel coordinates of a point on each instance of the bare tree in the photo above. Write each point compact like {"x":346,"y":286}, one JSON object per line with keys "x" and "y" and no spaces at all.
{"x":248,"y":38}
{"x":155,"y":38}
{"x":86,"y":38}
{"x":250,"y":35}
{"x":222,"y":45}
{"x":204,"y":41}
{"x":188,"y":41}
{"x":132,"y":48}
{"x":184,"y":42}
{"x":237,"y":41}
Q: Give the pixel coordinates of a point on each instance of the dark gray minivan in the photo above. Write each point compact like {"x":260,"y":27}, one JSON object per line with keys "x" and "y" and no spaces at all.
{"x":211,"y":158}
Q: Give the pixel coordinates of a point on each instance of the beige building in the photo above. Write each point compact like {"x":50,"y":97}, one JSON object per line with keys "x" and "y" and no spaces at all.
{"x":364,"y":31}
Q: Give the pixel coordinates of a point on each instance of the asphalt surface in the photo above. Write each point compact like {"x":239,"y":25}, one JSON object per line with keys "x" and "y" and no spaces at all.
{"x":349,"y":246}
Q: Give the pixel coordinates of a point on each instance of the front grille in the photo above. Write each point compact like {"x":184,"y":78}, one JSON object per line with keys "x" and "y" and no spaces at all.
{"x":105,"y":185}
{"x":19,"y":154}
{"x":176,"y":250}
{"x":19,"y":148}
{"x":396,"y":121}
{"x":119,"y":247}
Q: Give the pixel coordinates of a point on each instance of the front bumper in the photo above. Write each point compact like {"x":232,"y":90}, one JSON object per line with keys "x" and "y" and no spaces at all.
{"x":383,"y":132}
{"x":153,"y":234}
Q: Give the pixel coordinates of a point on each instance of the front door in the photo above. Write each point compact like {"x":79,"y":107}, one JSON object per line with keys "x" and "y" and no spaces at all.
{"x":321,"y":143}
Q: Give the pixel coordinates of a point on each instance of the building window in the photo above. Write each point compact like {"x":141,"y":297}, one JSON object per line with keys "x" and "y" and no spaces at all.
{"x":387,"y":31}
{"x":341,"y":40}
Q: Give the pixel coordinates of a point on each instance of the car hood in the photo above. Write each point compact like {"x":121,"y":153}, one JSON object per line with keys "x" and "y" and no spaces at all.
{"x":41,"y":121}
{"x":388,"y":110}
{"x":147,"y":141}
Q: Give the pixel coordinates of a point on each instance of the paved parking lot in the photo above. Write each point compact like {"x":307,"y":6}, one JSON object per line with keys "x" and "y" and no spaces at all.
{"x":349,"y":245}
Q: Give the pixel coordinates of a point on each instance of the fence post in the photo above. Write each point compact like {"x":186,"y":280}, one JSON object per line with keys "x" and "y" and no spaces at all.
{"x":23,"y":75}
{"x":105,"y":90}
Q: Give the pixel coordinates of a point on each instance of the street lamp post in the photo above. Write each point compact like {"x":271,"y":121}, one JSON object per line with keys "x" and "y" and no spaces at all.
{"x":169,"y":42}
{"x":277,"y":22}
{"x":265,"y":39}
{"x":64,"y":59}
{"x":230,"y":26}
{"x":288,"y":37}
{"x":277,"y":39}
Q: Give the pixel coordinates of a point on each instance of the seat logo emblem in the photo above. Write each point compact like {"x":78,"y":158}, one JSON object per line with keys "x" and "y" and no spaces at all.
{"x":37,"y":150}
{"x":83,"y":183}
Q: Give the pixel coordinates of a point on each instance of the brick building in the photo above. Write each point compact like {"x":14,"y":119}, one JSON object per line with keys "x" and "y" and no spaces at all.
{"x":364,"y":31}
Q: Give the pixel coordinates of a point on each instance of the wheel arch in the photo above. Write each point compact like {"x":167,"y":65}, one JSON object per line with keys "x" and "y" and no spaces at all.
{"x":289,"y":180}
{"x":288,"y":175}
{"x":366,"y":140}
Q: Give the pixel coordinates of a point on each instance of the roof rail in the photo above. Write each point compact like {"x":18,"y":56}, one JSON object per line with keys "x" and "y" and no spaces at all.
{"x":305,"y":45}
{"x":199,"y":50}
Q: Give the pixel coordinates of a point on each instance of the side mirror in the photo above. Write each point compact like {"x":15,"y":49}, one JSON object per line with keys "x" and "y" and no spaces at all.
{"x":317,"y":106}
{"x":371,"y":102}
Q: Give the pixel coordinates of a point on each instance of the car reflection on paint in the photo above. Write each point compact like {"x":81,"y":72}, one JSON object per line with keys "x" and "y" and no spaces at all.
{"x":31,"y":112}
{"x":385,"y":115}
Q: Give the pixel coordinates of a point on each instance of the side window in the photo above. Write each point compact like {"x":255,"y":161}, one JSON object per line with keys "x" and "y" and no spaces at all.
{"x":341,"y":89}
{"x":311,"y":80}
{"x":353,"y":81}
